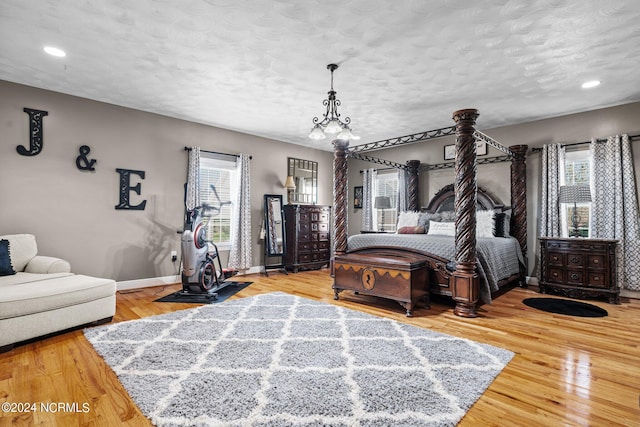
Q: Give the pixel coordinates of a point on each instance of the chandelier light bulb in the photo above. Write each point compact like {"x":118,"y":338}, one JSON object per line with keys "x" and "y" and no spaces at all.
{"x":333,"y":126}
{"x":317,"y":133}
{"x":345,"y":134}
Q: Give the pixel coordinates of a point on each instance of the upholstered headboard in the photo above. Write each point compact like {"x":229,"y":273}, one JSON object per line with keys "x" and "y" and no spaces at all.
{"x":445,"y":198}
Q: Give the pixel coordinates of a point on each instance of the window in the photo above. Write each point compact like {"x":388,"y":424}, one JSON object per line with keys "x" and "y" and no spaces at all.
{"x":386,"y":185}
{"x":217,"y":189}
{"x":577,"y":171}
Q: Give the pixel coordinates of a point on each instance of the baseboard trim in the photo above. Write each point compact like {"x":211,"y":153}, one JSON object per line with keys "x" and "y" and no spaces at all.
{"x":166,"y":280}
{"x":147,"y":283}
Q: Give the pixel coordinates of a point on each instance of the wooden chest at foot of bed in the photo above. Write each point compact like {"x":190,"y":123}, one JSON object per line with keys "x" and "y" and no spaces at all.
{"x":398,"y":276}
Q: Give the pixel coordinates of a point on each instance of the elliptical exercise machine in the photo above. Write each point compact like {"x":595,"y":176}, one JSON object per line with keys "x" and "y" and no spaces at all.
{"x":200,"y":274}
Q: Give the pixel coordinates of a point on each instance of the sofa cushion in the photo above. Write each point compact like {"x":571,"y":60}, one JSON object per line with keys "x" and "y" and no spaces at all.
{"x":6,"y":269}
{"x":47,"y":264}
{"x":42,"y":295}
{"x":23,"y":249}
{"x":23,"y":277}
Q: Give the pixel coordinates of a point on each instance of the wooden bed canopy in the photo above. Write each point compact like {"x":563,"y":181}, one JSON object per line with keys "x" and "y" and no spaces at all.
{"x":464,"y":281}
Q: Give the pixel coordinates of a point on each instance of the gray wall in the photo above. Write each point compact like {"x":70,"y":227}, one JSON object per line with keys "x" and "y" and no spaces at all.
{"x":72,"y":212}
{"x":496,"y":177}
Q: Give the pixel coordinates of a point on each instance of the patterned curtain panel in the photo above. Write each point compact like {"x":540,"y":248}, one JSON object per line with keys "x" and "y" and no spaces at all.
{"x":402,"y":190}
{"x":615,"y":205}
{"x":193,"y":179}
{"x":368,"y":193}
{"x":552,"y":159}
{"x":240,"y":253}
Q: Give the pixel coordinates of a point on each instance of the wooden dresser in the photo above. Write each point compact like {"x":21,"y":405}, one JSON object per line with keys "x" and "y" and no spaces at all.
{"x":308,"y":237}
{"x":579,"y":268}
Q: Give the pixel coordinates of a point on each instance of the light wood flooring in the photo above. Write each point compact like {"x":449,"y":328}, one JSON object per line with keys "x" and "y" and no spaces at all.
{"x":568,"y":371}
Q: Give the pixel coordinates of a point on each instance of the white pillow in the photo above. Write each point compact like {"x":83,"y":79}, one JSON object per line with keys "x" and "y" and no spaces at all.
{"x":485,"y":224}
{"x":442,"y":228}
{"x":407,"y":219}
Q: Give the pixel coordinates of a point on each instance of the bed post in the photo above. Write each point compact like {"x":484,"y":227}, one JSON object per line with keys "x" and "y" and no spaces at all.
{"x":340,"y":196}
{"x":413,"y":188}
{"x":519,"y":196}
{"x":465,"y":282}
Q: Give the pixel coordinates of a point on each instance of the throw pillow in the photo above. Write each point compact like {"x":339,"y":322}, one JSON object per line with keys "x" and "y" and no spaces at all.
{"x":407,"y":219}
{"x":507,"y":223}
{"x":425,"y":217}
{"x":484,"y":224}
{"x":498,"y":221}
{"x":442,"y":228}
{"x":447,"y":216}
{"x":411,"y":230}
{"x":6,"y":269}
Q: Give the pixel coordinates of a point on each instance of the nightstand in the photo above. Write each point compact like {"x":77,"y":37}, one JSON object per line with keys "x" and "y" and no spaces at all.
{"x":579,"y":268}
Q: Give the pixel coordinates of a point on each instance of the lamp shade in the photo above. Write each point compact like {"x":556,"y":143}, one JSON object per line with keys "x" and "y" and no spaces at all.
{"x":574,"y":194}
{"x":382,"y":202}
{"x":289,"y":184}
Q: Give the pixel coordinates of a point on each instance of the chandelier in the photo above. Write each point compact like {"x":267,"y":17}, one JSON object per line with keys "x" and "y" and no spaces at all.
{"x":331,"y":122}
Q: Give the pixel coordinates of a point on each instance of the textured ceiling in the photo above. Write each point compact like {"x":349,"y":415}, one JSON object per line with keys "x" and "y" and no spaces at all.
{"x":260,"y":66}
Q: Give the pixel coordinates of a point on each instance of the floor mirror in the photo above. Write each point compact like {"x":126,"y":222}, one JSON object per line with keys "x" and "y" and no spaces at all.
{"x":274,"y":240}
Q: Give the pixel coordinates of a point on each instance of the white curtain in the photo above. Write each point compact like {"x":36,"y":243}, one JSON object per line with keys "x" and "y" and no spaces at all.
{"x":402,"y":191}
{"x":240,"y":254}
{"x":615,"y":205}
{"x":368,"y":195}
{"x":193,"y":179}
{"x":552,"y":164}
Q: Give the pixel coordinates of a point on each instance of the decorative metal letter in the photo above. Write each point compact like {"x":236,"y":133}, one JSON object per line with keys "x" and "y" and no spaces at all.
{"x":126,"y":188}
{"x":36,"y":139}
{"x":82,"y":162}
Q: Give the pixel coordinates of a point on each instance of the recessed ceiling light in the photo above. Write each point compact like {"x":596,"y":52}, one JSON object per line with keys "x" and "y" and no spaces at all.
{"x":54,"y":51}
{"x":589,"y":85}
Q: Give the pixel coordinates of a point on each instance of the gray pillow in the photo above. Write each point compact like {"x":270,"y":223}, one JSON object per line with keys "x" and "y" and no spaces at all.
{"x":448,"y":216}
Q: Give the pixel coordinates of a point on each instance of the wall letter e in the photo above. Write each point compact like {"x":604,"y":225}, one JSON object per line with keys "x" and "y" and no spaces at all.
{"x":126,"y":188}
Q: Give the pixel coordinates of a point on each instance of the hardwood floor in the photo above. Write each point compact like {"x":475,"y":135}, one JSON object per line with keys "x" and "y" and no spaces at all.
{"x":568,"y":371}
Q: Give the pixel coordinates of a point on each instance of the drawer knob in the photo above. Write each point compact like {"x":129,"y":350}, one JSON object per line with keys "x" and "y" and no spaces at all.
{"x":595,"y":261}
{"x":555,"y":274}
{"x":574,"y":276}
{"x":596,"y":278}
{"x":575,"y":259}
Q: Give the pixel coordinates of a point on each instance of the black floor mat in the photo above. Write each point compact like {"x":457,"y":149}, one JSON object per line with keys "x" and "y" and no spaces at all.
{"x":564,"y":306}
{"x":224,"y":293}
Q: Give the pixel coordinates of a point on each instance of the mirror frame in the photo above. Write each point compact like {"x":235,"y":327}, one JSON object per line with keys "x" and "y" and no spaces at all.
{"x":292,"y":170}
{"x":272,"y":225}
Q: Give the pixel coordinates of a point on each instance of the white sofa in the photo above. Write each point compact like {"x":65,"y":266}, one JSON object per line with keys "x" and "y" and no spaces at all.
{"x":45,"y":297}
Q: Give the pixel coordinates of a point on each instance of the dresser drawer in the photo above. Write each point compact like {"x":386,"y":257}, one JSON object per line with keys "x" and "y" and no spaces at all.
{"x":304,"y":237}
{"x":575,"y":260}
{"x":304,"y":246}
{"x":556,"y":275}
{"x":597,"y":280}
{"x":304,"y":217}
{"x":575,"y":276}
{"x":596,"y":262}
{"x":556,"y":258}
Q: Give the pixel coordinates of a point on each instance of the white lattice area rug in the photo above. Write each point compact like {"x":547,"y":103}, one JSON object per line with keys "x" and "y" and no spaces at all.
{"x":280,"y":360}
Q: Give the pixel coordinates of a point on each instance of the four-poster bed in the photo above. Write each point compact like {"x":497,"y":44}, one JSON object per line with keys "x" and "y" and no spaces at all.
{"x":397,"y":272}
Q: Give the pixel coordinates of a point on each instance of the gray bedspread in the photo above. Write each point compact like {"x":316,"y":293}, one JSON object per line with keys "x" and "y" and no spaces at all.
{"x":498,"y":257}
